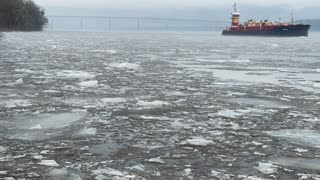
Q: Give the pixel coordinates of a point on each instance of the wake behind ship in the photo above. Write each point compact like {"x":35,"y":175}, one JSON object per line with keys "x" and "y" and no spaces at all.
{"x":264,"y":28}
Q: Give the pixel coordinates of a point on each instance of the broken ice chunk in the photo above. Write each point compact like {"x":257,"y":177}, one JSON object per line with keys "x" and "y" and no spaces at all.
{"x":88,"y":84}
{"x":266,"y":168}
{"x":52,"y":163}
{"x":156,"y":160}
{"x":197,"y":142}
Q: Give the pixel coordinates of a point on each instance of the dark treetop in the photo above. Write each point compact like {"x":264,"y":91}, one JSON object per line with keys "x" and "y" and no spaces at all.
{"x":21,"y":15}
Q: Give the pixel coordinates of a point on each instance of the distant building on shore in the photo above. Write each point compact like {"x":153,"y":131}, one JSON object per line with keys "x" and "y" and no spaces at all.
{"x":4,"y":15}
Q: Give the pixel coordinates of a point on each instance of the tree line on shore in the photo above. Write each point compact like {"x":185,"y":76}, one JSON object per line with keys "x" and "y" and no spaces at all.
{"x":21,"y":15}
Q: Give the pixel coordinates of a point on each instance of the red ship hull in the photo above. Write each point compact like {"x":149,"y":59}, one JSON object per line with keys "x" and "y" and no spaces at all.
{"x":277,"y":30}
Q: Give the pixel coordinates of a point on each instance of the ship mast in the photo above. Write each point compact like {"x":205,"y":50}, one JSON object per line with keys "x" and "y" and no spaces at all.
{"x":292,"y":18}
{"x":235,"y":16}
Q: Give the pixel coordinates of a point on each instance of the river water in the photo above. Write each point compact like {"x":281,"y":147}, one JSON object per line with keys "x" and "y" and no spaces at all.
{"x":158,"y":106}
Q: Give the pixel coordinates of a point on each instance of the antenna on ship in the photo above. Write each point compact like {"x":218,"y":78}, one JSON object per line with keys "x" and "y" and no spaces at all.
{"x":292,"y":18}
{"x":235,"y":9}
{"x":235,"y":16}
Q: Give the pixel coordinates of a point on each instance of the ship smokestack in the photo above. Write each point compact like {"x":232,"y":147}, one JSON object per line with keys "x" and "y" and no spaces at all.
{"x":235,"y":16}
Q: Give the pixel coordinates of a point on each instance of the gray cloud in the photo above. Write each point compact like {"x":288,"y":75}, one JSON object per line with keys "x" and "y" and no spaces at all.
{"x":173,"y":3}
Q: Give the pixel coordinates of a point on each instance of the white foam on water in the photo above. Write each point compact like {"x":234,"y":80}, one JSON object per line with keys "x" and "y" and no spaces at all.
{"x":89,"y":84}
{"x":51,"y":163}
{"x":124,"y":65}
{"x":301,"y":137}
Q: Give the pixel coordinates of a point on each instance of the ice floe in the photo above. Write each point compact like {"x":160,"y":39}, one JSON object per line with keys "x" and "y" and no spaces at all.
{"x":88,"y":131}
{"x":107,"y":172}
{"x":197,"y":142}
{"x":301,"y":137}
{"x":152,"y":104}
{"x":51,"y":163}
{"x":108,"y":51}
{"x":267,"y":168}
{"x":28,"y":71}
{"x":2,"y":149}
{"x":156,"y":160}
{"x":74,"y":74}
{"x":57,"y":172}
{"x":113,"y":100}
{"x":89,"y":84}
{"x":301,"y":163}
{"x":124,"y":65}
{"x":16,"y":103}
{"x":18,"y":82}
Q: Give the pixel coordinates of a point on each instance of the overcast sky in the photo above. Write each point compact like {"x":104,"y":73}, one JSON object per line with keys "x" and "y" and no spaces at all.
{"x":171,"y":3}
{"x":184,"y":9}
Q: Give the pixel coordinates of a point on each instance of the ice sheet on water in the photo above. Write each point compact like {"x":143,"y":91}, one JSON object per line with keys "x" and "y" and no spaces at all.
{"x":301,"y":137}
{"x":261,"y":102}
{"x":303,"y":163}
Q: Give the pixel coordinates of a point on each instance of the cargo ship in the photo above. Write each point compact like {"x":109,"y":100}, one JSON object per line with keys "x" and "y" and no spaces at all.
{"x":264,"y":28}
